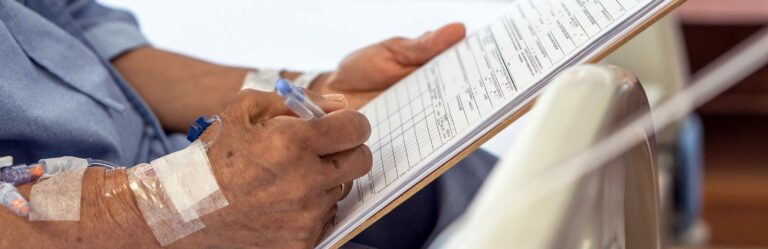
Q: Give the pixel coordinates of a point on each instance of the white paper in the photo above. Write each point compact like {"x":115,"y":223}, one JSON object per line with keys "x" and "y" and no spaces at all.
{"x":436,"y":112}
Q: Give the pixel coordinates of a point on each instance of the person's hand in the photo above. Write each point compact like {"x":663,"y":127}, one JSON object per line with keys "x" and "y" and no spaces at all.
{"x":282,"y":175}
{"x":367,"y":72}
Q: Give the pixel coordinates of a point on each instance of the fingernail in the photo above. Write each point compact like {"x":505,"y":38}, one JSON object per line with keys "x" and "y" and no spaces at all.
{"x":335,"y":97}
{"x":338,"y":98}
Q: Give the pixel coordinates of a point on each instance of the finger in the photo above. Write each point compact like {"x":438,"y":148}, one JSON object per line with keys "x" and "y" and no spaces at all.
{"x":345,"y":167}
{"x":327,"y":223}
{"x":414,"y":52}
{"x":347,"y":188}
{"x":321,"y":208}
{"x":328,"y":102}
{"x":324,"y":199}
{"x":340,"y":192}
{"x":260,"y":106}
{"x":338,"y":131}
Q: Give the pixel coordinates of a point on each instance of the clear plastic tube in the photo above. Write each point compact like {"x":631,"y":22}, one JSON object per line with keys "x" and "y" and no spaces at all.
{"x":214,"y":118}
{"x":102,"y":163}
{"x":54,"y":166}
{"x":296,"y":100}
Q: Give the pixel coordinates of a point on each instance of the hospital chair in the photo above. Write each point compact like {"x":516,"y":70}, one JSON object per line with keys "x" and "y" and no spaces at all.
{"x":533,"y":200}
{"x":658,"y":57}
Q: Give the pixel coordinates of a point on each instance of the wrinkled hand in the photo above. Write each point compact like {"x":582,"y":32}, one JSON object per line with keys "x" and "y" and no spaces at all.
{"x":365,"y":73}
{"x":282,"y":175}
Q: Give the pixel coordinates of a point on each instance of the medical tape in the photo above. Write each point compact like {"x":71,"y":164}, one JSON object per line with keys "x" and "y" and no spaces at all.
{"x":58,"y":197}
{"x":262,"y":80}
{"x":189,"y":181}
{"x":161,"y":216}
{"x":172,"y":192}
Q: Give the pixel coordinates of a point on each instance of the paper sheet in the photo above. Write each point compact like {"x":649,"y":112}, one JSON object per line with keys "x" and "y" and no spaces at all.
{"x":434,"y":113}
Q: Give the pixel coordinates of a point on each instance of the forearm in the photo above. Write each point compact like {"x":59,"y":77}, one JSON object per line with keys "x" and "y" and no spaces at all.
{"x":109,"y":218}
{"x":178,"y":88}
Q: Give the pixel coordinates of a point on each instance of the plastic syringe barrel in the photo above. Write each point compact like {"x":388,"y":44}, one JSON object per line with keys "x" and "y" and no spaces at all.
{"x":10,"y":198}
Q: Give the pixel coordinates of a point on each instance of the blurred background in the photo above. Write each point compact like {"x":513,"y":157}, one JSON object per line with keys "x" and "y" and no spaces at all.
{"x":714,"y":164}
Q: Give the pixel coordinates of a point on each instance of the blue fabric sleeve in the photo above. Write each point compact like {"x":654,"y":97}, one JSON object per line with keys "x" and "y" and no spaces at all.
{"x":111,"y":32}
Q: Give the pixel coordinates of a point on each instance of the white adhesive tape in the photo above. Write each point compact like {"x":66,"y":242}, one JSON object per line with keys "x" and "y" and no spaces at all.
{"x":262,"y":80}
{"x":188,"y":179}
{"x":58,"y":198}
{"x":161,"y":217}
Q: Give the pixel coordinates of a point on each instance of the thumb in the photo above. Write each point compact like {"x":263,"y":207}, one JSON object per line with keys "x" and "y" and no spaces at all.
{"x":328,"y":102}
{"x":263,"y":106}
{"x":418,"y":51}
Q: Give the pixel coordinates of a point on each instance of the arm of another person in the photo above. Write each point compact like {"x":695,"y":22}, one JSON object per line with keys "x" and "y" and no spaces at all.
{"x":179,"y":88}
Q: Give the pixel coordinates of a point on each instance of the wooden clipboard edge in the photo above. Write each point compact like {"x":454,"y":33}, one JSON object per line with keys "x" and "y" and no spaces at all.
{"x":476,"y":145}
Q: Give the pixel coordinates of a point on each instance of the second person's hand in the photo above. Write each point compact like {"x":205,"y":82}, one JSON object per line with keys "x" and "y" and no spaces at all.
{"x":364,"y":74}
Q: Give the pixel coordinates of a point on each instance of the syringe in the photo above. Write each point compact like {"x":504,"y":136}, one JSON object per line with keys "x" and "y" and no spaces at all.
{"x":10,"y":198}
{"x":21,"y":174}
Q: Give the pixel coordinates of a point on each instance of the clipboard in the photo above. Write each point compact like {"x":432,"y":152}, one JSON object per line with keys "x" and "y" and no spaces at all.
{"x":599,"y":54}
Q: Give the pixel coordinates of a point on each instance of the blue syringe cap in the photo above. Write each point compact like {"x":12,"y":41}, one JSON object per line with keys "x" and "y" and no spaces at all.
{"x":196,"y":129}
{"x":283,"y":87}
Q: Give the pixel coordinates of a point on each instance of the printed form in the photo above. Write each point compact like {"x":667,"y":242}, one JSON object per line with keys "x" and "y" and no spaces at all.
{"x":421,"y":122}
